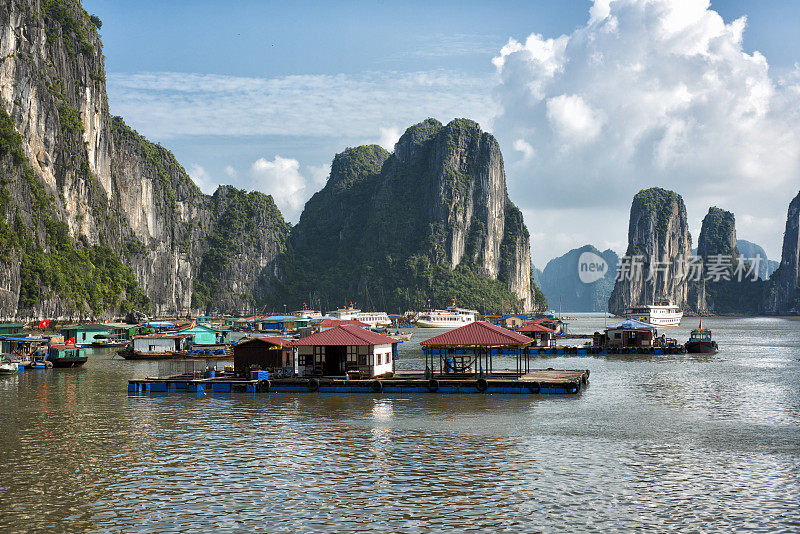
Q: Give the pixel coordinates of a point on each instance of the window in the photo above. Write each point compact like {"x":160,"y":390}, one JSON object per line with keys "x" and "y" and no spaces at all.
{"x":352,"y":354}
{"x":362,"y":359}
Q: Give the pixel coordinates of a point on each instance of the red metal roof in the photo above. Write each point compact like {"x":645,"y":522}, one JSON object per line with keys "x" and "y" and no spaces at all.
{"x":344,"y":335}
{"x":535,"y":327}
{"x":327,"y":323}
{"x":478,"y":333}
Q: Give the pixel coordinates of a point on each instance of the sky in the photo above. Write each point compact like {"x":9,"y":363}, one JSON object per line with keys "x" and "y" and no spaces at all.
{"x":590,"y":101}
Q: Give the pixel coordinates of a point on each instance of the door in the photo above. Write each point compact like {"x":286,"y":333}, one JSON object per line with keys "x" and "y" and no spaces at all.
{"x":334,"y":360}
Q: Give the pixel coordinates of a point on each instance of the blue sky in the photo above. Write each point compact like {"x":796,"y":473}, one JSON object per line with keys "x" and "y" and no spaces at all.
{"x":263,"y":94}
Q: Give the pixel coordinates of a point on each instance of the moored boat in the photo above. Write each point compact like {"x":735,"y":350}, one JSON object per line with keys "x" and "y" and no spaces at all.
{"x":662,"y":313}
{"x":7,"y":367}
{"x":66,"y":356}
{"x":452,"y":317}
{"x":700,"y":342}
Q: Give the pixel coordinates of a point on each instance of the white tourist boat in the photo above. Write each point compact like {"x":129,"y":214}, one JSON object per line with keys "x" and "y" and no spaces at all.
{"x":307,"y":314}
{"x":663,"y":313}
{"x":374,"y":319}
{"x":452,"y":317}
{"x":345,"y":314}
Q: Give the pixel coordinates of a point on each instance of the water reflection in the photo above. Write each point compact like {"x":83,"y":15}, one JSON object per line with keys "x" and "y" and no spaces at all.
{"x":685,"y":442}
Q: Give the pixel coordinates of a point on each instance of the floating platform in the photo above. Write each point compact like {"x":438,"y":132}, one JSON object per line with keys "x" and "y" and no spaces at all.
{"x":571,"y":350}
{"x":546,"y":381}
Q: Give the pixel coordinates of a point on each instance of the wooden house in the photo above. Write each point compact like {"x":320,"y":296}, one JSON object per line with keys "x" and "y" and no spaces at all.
{"x":345,"y":349}
{"x":541,"y":335}
{"x":272,"y":354}
{"x":629,"y":334}
{"x":159,"y":343}
{"x":85,"y":334}
{"x":202,"y":334}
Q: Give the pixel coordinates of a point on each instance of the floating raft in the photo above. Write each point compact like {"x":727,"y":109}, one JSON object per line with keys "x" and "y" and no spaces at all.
{"x":547,"y":381}
{"x":561,"y":351}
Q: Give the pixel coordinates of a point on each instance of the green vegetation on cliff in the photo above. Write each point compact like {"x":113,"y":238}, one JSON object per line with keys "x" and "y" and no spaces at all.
{"x":91,"y":278}
{"x":379,"y":233}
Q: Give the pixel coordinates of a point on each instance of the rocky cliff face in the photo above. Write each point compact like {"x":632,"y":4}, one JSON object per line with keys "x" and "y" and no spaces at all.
{"x":432,"y":220}
{"x":658,"y":236}
{"x":84,"y":172}
{"x":783,"y":293}
{"x":564,"y":284}
{"x":749,"y":250}
{"x":733,"y":292}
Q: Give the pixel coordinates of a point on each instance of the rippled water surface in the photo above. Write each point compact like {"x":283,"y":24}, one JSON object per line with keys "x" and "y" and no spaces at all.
{"x":706,"y":443}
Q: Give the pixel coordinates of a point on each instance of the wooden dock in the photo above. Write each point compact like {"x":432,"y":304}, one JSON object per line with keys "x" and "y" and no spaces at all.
{"x":544,"y":381}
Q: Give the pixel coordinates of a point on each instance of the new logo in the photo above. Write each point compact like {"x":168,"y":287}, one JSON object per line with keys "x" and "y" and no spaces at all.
{"x":591,"y":267}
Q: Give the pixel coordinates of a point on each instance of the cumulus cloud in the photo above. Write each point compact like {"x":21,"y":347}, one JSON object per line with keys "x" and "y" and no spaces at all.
{"x":290,"y":188}
{"x":647,"y":93}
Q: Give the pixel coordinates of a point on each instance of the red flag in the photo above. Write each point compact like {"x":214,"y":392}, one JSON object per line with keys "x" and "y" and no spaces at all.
{"x":70,"y":341}
{"x":44,"y":324}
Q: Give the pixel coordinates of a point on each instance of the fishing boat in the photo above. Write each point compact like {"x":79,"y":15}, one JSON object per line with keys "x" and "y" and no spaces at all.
{"x":66,"y":356}
{"x":7,"y":367}
{"x":108,"y":341}
{"x":700,"y":341}
{"x":662,"y":313}
{"x":452,"y":317}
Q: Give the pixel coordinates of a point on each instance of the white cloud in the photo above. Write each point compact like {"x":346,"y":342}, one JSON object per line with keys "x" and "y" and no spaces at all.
{"x":230,"y":172}
{"x":201,"y":177}
{"x":290,"y":188}
{"x":521,"y":145}
{"x":389,"y":137}
{"x":572,"y":119}
{"x":169,"y":104}
{"x":647,"y":93}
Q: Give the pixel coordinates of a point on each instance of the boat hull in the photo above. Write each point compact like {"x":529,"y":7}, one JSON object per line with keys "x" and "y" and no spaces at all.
{"x":424,"y":323}
{"x":701,"y":347}
{"x":130,"y":355}
{"x":69,"y":362}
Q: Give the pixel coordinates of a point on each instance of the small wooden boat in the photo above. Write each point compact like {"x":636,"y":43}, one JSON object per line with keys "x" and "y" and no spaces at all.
{"x":700,"y":342}
{"x":7,"y":367}
{"x":66,"y":356}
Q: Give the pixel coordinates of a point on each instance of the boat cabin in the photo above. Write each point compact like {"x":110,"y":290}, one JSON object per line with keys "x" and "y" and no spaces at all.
{"x":272,"y":354}
{"x":159,"y":343}
{"x":345,"y":349}
{"x":66,"y":355}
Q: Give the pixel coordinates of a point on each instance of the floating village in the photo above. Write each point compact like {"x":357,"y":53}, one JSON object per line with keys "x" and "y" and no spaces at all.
{"x":350,"y":350}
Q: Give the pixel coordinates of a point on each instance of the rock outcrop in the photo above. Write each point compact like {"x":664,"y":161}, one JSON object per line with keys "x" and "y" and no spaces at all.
{"x":659,"y":244}
{"x":783,"y":293}
{"x":81,"y":185}
{"x":757,"y":254}
{"x":727,"y":284}
{"x":581,"y":280}
{"x":431,"y":221}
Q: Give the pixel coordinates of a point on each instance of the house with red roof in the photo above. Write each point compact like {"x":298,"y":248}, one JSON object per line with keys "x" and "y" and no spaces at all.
{"x":345,"y":349}
{"x":541,"y":335}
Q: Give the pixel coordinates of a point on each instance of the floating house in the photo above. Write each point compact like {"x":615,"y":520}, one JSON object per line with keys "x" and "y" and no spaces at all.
{"x":470,"y":349}
{"x":272,"y":354}
{"x":85,"y":334}
{"x":160,"y":343}
{"x":24,"y":347}
{"x":11,"y":329}
{"x":346,"y":349}
{"x":201,"y":334}
{"x":512,"y":321}
{"x":628,"y":334}
{"x":283,"y":323}
{"x":541,"y":335}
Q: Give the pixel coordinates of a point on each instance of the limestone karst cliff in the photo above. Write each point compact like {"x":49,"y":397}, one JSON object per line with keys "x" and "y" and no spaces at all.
{"x":432,"y":220}
{"x":564,"y":288}
{"x":659,"y":244}
{"x":783,"y":291}
{"x":82,"y":186}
